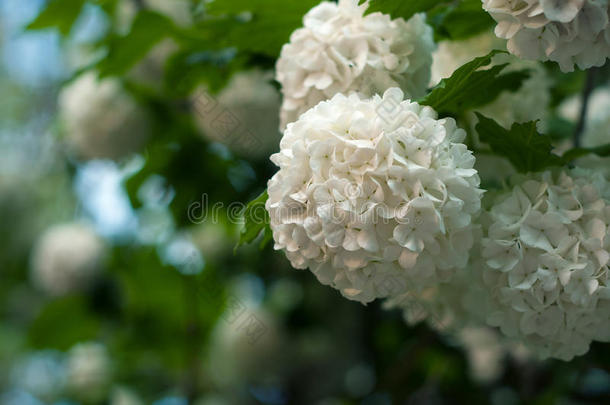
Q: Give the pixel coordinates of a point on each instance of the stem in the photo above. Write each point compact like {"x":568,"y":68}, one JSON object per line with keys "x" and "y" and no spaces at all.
{"x":586,"y":93}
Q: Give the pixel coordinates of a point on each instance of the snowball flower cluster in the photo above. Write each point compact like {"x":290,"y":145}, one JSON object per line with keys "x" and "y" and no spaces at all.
{"x":101,"y":120}
{"x":546,"y":256}
{"x":67,"y":258}
{"x":597,"y":126}
{"x":88,"y":371}
{"x":374,"y":194}
{"x":340,"y":50}
{"x":244,"y":115}
{"x":569,"y":32}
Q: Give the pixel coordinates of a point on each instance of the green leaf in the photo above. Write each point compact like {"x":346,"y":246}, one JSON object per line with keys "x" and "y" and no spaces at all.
{"x":573,"y":154}
{"x":401,"y":8}
{"x":63,"y":323}
{"x":270,"y":25}
{"x":256,"y":220}
{"x":60,"y":14}
{"x":459,"y":21}
{"x":523,"y":145}
{"x":470,"y":87}
{"x":148,"y":29}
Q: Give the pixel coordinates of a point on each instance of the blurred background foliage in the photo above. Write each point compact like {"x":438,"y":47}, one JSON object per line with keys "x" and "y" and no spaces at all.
{"x":169,"y":317}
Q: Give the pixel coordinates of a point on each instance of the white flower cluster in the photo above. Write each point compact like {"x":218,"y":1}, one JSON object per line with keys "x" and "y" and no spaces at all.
{"x":340,"y":50}
{"x":88,"y":371}
{"x":375,"y":196}
{"x":251,"y":103}
{"x":67,"y":258}
{"x":101,"y":120}
{"x":546,"y":257}
{"x":569,"y":32}
{"x":597,"y":126}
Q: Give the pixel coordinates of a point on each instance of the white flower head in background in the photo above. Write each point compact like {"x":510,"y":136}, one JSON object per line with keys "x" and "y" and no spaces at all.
{"x":340,"y":50}
{"x":374,"y":195}
{"x":569,"y":32}
{"x":67,"y":258}
{"x":101,"y":120}
{"x":546,"y":256}
{"x":89,"y":372}
{"x":243,"y":115}
{"x":530,"y":102}
{"x":248,"y":348}
{"x":597,"y":126}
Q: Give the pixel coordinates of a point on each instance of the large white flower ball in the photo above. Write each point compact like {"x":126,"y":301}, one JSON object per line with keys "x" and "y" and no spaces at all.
{"x":569,"y":32}
{"x":546,"y":256}
{"x":375,"y":195}
{"x":89,"y":372}
{"x":67,"y":258}
{"x":101,"y":120}
{"x":340,"y":50}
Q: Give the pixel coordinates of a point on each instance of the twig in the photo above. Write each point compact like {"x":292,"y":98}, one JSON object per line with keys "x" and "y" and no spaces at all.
{"x":586,"y":93}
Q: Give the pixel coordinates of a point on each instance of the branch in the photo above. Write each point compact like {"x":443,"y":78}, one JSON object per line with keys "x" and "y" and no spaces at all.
{"x":586,"y":93}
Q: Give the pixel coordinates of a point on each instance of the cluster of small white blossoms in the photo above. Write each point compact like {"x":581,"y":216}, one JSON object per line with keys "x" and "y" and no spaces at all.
{"x":340,"y":50}
{"x":546,"y":257}
{"x":101,"y":120}
{"x":597,"y":126}
{"x":569,"y":32}
{"x":88,"y":371}
{"x":67,"y":258}
{"x":252,"y":103}
{"x":376,"y":196}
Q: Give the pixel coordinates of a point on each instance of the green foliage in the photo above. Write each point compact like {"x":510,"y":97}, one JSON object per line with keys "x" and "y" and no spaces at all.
{"x":256,"y":220}
{"x":60,"y":14}
{"x":470,"y":87}
{"x":148,"y":29}
{"x":398,"y":9}
{"x":450,"y":19}
{"x":572,"y":154}
{"x":523,"y":145}
{"x":459,"y":20}
{"x":268,"y":28}
{"x":62,"y":323}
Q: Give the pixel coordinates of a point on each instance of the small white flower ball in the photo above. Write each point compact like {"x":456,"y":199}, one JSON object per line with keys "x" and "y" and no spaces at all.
{"x":243,"y":116}
{"x":101,"y":120}
{"x":530,"y":102}
{"x":89,"y":372}
{"x":67,"y":258}
{"x":374,"y":196}
{"x":248,"y":345}
{"x":546,"y":257}
{"x":340,"y":50}
{"x":597,"y":126}
{"x":569,"y":32}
